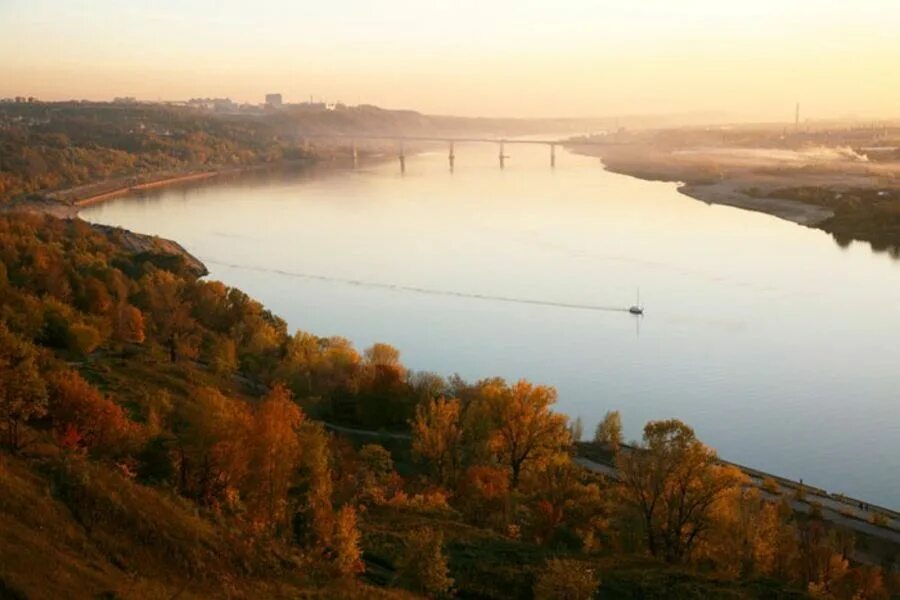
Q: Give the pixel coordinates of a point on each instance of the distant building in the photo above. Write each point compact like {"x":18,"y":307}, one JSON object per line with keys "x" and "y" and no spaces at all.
{"x":273,"y":100}
{"x":222,"y":105}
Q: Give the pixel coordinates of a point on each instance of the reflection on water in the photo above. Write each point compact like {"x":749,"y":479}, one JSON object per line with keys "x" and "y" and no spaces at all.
{"x":778,"y":346}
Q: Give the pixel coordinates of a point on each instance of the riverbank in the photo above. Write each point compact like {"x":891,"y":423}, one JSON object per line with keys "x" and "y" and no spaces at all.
{"x":149,"y":185}
{"x":830,"y":189}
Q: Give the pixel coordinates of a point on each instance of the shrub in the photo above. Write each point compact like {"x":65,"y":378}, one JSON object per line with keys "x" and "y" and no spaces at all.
{"x":771,"y":486}
{"x":425,"y":565}
{"x":815,"y":510}
{"x":878,"y":519}
{"x":566,"y":580}
{"x":83,"y":339}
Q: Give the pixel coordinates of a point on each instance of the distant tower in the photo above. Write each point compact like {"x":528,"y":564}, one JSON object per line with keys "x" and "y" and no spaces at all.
{"x":797,"y":116}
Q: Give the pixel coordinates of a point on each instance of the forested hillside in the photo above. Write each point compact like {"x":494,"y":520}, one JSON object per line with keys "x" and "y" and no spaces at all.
{"x":44,"y":147}
{"x":165,"y":436}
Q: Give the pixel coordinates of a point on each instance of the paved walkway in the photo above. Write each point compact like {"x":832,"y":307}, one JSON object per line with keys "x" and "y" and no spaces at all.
{"x":834,"y":510}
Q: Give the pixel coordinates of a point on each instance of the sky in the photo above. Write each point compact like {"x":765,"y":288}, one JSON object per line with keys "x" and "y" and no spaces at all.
{"x":553,"y":58}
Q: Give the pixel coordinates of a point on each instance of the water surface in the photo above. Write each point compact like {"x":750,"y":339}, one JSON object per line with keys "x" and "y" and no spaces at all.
{"x":779,"y":347}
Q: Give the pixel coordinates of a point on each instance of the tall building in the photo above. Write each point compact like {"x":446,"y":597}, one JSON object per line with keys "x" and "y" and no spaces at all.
{"x":273,"y":100}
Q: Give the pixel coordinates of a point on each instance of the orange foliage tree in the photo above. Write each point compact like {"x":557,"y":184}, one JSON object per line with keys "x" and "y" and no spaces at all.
{"x":274,"y":456}
{"x":84,"y":418}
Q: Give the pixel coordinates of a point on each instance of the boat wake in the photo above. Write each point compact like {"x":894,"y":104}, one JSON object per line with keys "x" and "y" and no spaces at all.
{"x":418,"y":290}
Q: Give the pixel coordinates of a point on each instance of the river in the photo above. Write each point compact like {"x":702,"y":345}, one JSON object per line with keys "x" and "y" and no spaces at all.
{"x":779,"y":347}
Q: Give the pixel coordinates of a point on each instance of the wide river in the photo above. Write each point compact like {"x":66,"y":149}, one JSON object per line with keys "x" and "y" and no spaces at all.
{"x":779,"y":347}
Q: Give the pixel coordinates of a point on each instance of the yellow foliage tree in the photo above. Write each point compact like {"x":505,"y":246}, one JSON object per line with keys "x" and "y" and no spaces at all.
{"x":526,"y":431}
{"x":437,"y":436}
{"x":673,"y":482}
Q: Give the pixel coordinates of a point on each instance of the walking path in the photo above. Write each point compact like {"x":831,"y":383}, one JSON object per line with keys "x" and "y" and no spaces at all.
{"x":843,"y":512}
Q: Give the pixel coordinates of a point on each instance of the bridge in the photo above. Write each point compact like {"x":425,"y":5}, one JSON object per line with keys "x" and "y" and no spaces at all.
{"x":501,"y":144}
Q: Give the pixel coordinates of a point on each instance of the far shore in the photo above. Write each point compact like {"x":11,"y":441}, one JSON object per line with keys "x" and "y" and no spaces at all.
{"x":729,"y":191}
{"x":152,"y":184}
{"x":846,"y":196}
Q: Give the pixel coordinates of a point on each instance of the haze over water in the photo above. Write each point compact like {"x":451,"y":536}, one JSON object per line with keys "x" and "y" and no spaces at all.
{"x":775,"y":344}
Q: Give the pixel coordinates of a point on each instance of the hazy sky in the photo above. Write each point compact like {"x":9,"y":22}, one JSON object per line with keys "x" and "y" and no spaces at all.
{"x":749,"y":58}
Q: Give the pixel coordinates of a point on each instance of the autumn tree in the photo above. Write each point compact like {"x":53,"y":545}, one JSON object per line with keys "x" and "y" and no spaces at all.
{"x":672,"y":482}
{"x":576,"y":429}
{"x":525,"y":432}
{"x":483,"y":494}
{"x":274,"y":457}
{"x":213,"y":449}
{"x":437,"y":437}
{"x":300,"y":363}
{"x":314,"y":518}
{"x":383,"y":398}
{"x":221,"y":353}
{"x":84,"y":418}
{"x":95,"y":297}
{"x":609,"y":431}
{"x":23,"y":395}
{"x":383,"y":355}
{"x":750,"y":536}
{"x":424,"y":564}
{"x":345,"y":543}
{"x":375,"y":473}
{"x":566,"y":507}
{"x":83,"y":339}
{"x":562,"y":579}
{"x":129,"y":324}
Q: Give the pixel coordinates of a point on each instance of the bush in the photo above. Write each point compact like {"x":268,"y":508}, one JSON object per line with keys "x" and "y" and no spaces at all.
{"x":815,"y":511}
{"x":878,"y":519}
{"x":771,"y":486}
{"x":83,"y":339}
{"x":566,"y":580}
{"x":425,"y":565}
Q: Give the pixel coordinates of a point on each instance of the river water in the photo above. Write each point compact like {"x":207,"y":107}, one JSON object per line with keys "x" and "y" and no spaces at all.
{"x":779,"y":347}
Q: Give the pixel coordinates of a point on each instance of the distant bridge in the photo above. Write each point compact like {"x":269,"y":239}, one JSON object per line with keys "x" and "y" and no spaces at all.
{"x":452,"y":141}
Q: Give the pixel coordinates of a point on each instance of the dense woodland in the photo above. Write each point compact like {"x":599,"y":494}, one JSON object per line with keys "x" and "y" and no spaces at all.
{"x":164,"y":436}
{"x":45,"y":147}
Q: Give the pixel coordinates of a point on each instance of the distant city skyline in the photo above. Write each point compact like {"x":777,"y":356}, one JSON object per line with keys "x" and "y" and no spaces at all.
{"x":749,"y":60}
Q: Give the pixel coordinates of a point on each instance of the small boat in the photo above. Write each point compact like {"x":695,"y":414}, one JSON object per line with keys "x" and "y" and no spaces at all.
{"x":637,"y":309}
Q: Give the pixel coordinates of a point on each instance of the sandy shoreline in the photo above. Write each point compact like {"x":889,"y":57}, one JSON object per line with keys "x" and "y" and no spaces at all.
{"x":728,"y":193}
